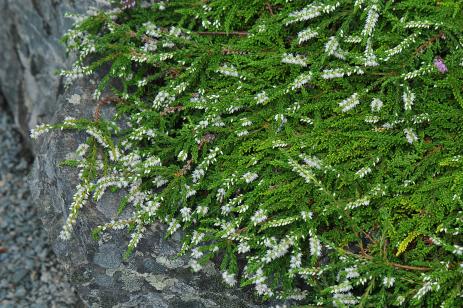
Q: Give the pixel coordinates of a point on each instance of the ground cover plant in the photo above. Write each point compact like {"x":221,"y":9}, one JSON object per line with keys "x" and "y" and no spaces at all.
{"x":314,"y":147}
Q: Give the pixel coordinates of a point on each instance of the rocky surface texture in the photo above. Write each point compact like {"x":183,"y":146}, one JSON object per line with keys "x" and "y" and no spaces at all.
{"x":31,"y":55}
{"x":30,"y":274}
{"x":153,"y":276}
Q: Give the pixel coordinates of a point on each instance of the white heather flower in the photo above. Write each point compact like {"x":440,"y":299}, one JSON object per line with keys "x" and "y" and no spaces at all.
{"x":259,"y":216}
{"x":301,"y":80}
{"x":228,"y":70}
{"x":152,"y":161}
{"x":315,"y":246}
{"x":400,"y":300}
{"x":341,"y":72}
{"x":202,"y":210}
{"x":40,"y":130}
{"x":278,"y":250}
{"x":458,"y":250}
{"x":173,"y":226}
{"x":311,"y":11}
{"x":343,"y":287}
{"x":159,"y":181}
{"x":250,"y":177}
{"x":296,"y":261}
{"x":372,"y":119}
{"x":229,"y":278}
{"x":365,"y":201}
{"x":82,"y":149}
{"x":195,"y":266}
{"x":197,"y":175}
{"x":186,"y":213}
{"x":245,"y":122}
{"x":402,"y":45}
{"x":312,"y":161}
{"x":243,"y":247}
{"x":242,"y":133}
{"x":332,"y":45}
{"x":182,"y":156}
{"x":261,"y":98}
{"x":332,"y":48}
{"x":408,"y":98}
{"x":78,"y":201}
{"x":196,"y":253}
{"x":226,"y":209}
{"x":425,"y":24}
{"x":370,"y":57}
{"x":306,"y":215}
{"x":280,"y":118}
{"x":388,"y":281}
{"x":162,"y":99}
{"x":306,"y":35}
{"x":220,"y":194}
{"x":349,"y":103}
{"x":289,"y":58}
{"x":376,"y":105}
{"x":363,"y":172}
{"x":423,"y":290}
{"x":351,"y":272}
{"x":372,"y":19}
{"x":410,"y":135}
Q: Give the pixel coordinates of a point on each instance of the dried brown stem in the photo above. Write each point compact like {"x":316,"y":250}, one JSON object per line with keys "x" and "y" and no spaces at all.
{"x":105,"y":101}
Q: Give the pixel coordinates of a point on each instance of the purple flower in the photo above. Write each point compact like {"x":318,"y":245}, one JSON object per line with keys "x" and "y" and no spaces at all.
{"x":440,"y":65}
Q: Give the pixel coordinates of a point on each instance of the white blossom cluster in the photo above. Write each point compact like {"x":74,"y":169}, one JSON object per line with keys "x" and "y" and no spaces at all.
{"x":424,"y":70}
{"x":163,"y":99}
{"x":311,"y":11}
{"x":259,"y":280}
{"x":429,"y":285}
{"x":228,"y":70}
{"x":410,"y":135}
{"x":350,"y":102}
{"x":401,"y":46}
{"x":365,"y":201}
{"x":425,"y":24}
{"x":341,"y":72}
{"x":79,"y":199}
{"x":259,"y":217}
{"x":372,"y":19}
{"x":229,"y":278}
{"x":290,"y":58}
{"x":278,"y":250}
{"x":332,"y":48}
{"x":108,"y":181}
{"x":250,"y":177}
{"x":261,"y":98}
{"x":376,"y":105}
{"x":408,"y":98}
{"x":301,"y":80}
{"x":306,"y":35}
{"x":40,"y":130}
{"x":199,"y":172}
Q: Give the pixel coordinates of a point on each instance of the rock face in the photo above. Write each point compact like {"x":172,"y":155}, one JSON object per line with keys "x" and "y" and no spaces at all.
{"x":31,"y":54}
{"x":153,"y":276}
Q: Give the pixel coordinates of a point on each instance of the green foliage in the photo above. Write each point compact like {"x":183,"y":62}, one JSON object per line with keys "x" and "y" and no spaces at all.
{"x":318,"y":141}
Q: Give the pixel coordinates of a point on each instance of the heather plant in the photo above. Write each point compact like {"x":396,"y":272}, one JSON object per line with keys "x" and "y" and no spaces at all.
{"x":313,"y":147}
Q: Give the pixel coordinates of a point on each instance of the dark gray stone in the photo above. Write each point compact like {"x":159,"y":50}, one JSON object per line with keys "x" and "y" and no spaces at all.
{"x":31,"y":54}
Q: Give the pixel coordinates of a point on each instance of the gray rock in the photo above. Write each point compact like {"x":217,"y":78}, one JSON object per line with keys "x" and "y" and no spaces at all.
{"x":32,"y":53}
